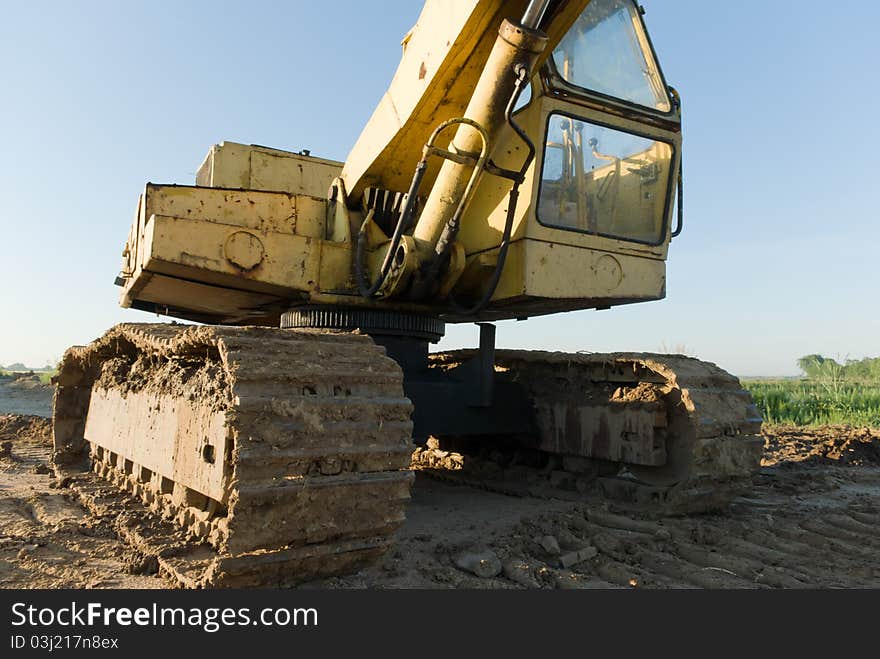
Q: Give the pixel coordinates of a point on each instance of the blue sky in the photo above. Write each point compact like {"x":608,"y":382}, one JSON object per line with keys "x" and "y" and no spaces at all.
{"x":782,"y":158}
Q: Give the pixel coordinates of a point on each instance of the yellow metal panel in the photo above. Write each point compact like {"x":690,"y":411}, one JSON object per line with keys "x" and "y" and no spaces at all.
{"x":233,"y":171}
{"x":289,"y":172}
{"x":483,"y":222}
{"x":197,"y":250}
{"x":311,"y":216}
{"x":336,"y":268}
{"x":232,"y":165}
{"x":562,"y":271}
{"x":228,"y":304}
{"x":261,"y":211}
{"x":513,"y":280}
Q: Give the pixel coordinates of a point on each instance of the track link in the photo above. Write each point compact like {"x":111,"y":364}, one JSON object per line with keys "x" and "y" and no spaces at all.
{"x":285,"y":453}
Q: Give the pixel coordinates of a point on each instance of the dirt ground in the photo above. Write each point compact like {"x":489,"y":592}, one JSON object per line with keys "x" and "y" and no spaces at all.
{"x":25,"y":394}
{"x":811,"y":520}
{"x":46,"y":538}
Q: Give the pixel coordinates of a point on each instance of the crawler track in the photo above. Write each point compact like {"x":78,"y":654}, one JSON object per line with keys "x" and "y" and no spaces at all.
{"x":708,"y":426}
{"x":280,"y":455}
{"x":271,"y":457}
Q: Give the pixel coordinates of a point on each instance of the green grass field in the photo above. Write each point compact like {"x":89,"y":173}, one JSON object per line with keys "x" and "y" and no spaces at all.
{"x":830,"y":394}
{"x":45,"y":376}
{"x":809,"y":402}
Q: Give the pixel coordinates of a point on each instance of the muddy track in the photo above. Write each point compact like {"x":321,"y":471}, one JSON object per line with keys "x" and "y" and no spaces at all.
{"x":704,"y":430}
{"x":286,"y":454}
{"x":278,"y":456}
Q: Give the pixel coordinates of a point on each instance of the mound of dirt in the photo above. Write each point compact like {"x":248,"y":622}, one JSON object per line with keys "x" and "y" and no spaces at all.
{"x":842,"y":445}
{"x":25,"y":394}
{"x":25,"y":428}
{"x":27,"y":381}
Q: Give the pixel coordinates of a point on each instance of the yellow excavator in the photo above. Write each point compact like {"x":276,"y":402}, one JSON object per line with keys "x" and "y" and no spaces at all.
{"x":525,"y":160}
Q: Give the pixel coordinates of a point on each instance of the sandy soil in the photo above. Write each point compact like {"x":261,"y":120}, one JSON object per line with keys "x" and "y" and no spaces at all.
{"x":829,"y":445}
{"x":46,"y":538}
{"x":25,"y":395}
{"x":811,"y":521}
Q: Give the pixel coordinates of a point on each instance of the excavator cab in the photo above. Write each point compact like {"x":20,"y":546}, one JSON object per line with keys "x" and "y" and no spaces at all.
{"x":598,"y":178}
{"x":602,"y":190}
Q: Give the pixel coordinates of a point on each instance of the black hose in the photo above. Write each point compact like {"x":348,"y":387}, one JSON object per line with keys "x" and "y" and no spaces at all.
{"x":680,"y":203}
{"x":522,"y":77}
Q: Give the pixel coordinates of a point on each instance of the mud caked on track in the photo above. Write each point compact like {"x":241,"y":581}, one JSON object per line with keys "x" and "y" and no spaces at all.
{"x":810,"y":520}
{"x":259,"y":457}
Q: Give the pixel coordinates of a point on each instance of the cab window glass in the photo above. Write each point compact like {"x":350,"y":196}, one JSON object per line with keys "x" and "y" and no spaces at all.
{"x":604,"y":181}
{"x":607,"y":51}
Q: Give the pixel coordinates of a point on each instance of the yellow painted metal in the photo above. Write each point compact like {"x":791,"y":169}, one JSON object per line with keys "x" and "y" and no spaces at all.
{"x":222,"y":254}
{"x":262,"y":245}
{"x":589,"y":273}
{"x":515,"y":46}
{"x":443,"y":58}
{"x":186,"y":249}
{"x":182,"y":298}
{"x":233,"y":165}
